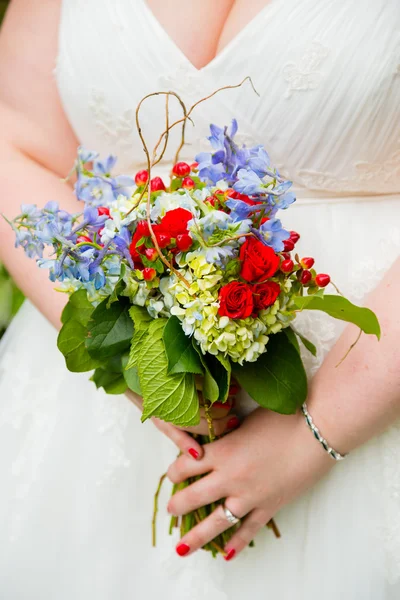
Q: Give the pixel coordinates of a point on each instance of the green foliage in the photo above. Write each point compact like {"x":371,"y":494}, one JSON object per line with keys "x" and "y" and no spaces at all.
{"x":110,"y":329}
{"x":11,"y":299}
{"x":341,"y":308}
{"x":78,"y":308}
{"x":71,"y":342}
{"x":182,"y":357}
{"x":277,"y":380}
{"x":173,"y":397}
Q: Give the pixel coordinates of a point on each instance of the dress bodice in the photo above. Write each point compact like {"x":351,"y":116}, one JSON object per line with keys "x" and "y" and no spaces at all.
{"x":327,"y":73}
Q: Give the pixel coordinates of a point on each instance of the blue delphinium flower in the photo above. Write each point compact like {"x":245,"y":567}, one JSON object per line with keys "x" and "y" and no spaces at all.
{"x":271,"y":233}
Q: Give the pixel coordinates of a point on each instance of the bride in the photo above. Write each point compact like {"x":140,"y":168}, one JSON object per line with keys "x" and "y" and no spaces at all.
{"x":77,"y":468}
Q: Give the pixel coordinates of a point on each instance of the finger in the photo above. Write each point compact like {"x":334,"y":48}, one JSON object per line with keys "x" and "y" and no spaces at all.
{"x":204,"y":491}
{"x":204,"y":532}
{"x":183,"y":467}
{"x":255,"y":520}
{"x":220,"y":426}
{"x":185,"y":442}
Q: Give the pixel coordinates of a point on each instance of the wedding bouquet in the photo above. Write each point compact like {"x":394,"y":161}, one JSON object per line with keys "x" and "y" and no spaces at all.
{"x":180,"y":290}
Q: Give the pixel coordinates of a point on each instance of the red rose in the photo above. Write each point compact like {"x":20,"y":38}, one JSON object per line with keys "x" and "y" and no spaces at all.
{"x":175,"y":222}
{"x":259,"y":262}
{"x":264,"y":295}
{"x":142,"y":231}
{"x":235,"y":300}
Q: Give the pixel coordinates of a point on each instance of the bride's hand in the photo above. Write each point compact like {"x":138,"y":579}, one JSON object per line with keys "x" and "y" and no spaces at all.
{"x":223,"y":421}
{"x":258,"y":468}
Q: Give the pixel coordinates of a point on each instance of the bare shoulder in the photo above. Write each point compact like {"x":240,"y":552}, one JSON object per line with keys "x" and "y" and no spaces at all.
{"x":28,"y":92}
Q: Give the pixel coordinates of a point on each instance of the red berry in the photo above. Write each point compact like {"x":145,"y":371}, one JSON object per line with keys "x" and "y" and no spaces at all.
{"x":141,"y":177}
{"x":305,"y":277}
{"x":83,"y":238}
{"x":307,"y":262}
{"x":287,"y":266}
{"x":219,"y":193}
{"x":149,"y":274}
{"x":286,"y":255}
{"x":188,"y":183}
{"x":184,"y":241}
{"x":322,"y":280}
{"x":294,"y":236}
{"x":194,"y":166}
{"x":288,"y":245}
{"x":163,"y":240}
{"x":151,"y":254}
{"x":157,"y":184}
{"x":181,"y":169}
{"x":103,"y":210}
{"x":211,"y":200}
{"x":264,"y":220}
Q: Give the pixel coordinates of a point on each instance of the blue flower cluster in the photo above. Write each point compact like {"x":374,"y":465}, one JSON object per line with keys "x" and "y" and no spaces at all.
{"x":250,"y":173}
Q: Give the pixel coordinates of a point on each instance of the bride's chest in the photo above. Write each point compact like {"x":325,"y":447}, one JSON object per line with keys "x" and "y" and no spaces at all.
{"x":328,"y":75}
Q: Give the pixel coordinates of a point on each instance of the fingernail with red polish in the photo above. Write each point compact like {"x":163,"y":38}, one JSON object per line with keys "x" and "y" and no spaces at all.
{"x":231,"y":553}
{"x":233,"y":423}
{"x":193,"y":452}
{"x":182,"y":549}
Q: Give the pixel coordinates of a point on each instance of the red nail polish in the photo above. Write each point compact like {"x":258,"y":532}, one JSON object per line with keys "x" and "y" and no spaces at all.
{"x":231,"y":554}
{"x":233,"y":423}
{"x":193,"y":452}
{"x":182,"y":549}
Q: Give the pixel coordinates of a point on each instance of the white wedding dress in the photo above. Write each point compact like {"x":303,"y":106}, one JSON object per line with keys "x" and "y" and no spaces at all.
{"x":77,"y":468}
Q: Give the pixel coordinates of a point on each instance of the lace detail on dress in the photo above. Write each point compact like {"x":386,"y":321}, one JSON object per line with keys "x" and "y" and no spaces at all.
{"x":372,"y":178}
{"x":184,"y":80}
{"x":303,"y":75}
{"x":116,"y":130}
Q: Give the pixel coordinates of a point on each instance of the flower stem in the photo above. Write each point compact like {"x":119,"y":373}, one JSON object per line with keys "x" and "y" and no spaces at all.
{"x":153,"y":522}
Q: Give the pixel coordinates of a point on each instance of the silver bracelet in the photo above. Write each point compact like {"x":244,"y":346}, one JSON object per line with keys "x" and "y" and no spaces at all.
{"x":332,"y":453}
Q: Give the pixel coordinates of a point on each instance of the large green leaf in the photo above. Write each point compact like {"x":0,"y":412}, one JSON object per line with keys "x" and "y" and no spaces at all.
{"x":277,"y":380}
{"x":78,"y":308}
{"x":71,"y":342}
{"x":112,"y":382}
{"x":210,"y":389}
{"x":110,"y":330}
{"x":341,"y":308}
{"x":182,"y":357}
{"x":131,"y":377}
{"x":172,"y":398}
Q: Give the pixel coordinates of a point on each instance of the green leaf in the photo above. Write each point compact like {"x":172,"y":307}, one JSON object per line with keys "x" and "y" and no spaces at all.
{"x":290,"y":334}
{"x":341,"y":308}
{"x":71,"y":342}
{"x":140,"y":317}
{"x":136,"y":350}
{"x":78,"y":308}
{"x":210,"y":389}
{"x":131,"y":377}
{"x":113,"y":383}
{"x":172,"y":398}
{"x":110,"y":330}
{"x":307,"y":344}
{"x":220,"y":369}
{"x":182,"y":357}
{"x":277,"y":380}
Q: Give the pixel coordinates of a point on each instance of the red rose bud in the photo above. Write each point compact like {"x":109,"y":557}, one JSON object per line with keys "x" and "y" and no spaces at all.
{"x":175,"y":221}
{"x":83,"y":238}
{"x":157,"y":184}
{"x":141,"y":177}
{"x":259,"y":262}
{"x":264,"y":295}
{"x":151,"y":254}
{"x":288,"y":245}
{"x":194,"y":166}
{"x":235,"y":300}
{"x":305,"y":277}
{"x":307,"y":262}
{"x":287,"y":266}
{"x":184,"y":241}
{"x":294,"y":236}
{"x":188,"y":183}
{"x":322,"y":280}
{"x":149,"y":274}
{"x":181,"y":169}
{"x":103,"y":210}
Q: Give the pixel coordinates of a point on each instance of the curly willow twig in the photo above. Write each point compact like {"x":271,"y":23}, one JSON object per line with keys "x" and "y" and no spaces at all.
{"x":151,"y":162}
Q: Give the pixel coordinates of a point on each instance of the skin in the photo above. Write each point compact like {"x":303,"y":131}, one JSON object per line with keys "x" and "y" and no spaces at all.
{"x":270,"y":459}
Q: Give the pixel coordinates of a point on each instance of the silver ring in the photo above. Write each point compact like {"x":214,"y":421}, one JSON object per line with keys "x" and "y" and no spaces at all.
{"x":230,"y":516}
